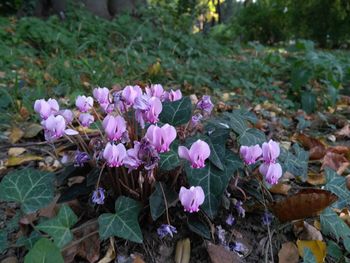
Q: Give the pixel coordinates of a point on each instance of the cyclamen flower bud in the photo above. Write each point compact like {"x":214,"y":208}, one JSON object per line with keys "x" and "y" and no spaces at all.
{"x":83,"y":103}
{"x":205,"y":104}
{"x":98,"y":196}
{"x":114,"y":154}
{"x":197,"y":154}
{"x":67,"y":115}
{"x":250,"y":154}
{"x":81,"y":158}
{"x":173,"y":95}
{"x":191,"y":198}
{"x":86,"y":119}
{"x":161,"y":138}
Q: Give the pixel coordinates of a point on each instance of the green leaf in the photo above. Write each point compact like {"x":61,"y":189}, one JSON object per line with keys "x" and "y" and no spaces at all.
{"x":169,"y":160}
{"x":251,"y":137}
{"x":237,"y":122}
{"x":334,"y":250}
{"x":308,"y":256}
{"x":176,"y":112}
{"x":295,"y":163}
{"x":157,"y":202}
{"x":217,"y":141}
{"x":33,"y":189}
{"x":28,"y":242}
{"x":3,"y":241}
{"x":199,"y":228}
{"x":308,"y":102}
{"x":124,"y":223}
{"x":59,"y":226}
{"x":337,"y":185}
{"x":44,"y":251}
{"x":332,"y":225}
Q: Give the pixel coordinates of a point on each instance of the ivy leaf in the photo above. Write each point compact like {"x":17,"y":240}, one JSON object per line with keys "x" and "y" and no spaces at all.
{"x":59,"y":226}
{"x":337,"y":185}
{"x":308,"y":256}
{"x":33,"y":189}
{"x":217,"y":141}
{"x":332,"y":225}
{"x":199,"y":228}
{"x":124,"y":223}
{"x":251,"y":137}
{"x":237,"y":122}
{"x":44,"y":251}
{"x":176,"y":112}
{"x":295,"y":163}
{"x":157,"y":202}
{"x":169,"y":160}
{"x":28,"y":242}
{"x":3,"y":241}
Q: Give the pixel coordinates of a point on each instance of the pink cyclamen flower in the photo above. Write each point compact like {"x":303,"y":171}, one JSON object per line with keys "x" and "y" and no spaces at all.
{"x":101,"y":95}
{"x":67,"y":115}
{"x":132,"y":160}
{"x":86,"y":119}
{"x":270,"y":151}
{"x":55,"y":127}
{"x":161,"y":137}
{"x":46,"y":108}
{"x":83,"y":103}
{"x":155,"y":108}
{"x":205,"y":104}
{"x":114,"y":127}
{"x":130,"y":93}
{"x":272,"y":172}
{"x":173,"y":95}
{"x":250,"y":154}
{"x":197,"y":154}
{"x":155,"y":90}
{"x":114,"y":154}
{"x":191,"y":198}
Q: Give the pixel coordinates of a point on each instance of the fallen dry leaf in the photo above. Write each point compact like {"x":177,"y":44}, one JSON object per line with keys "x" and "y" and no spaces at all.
{"x":18,"y":160}
{"x":15,"y":134}
{"x":316,"y":148}
{"x":50,"y":210}
{"x":137,"y":259}
{"x":316,"y":178}
{"x":10,"y":260}
{"x":219,"y":254}
{"x":75,"y":180}
{"x":16,"y":151}
{"x":345,"y":216}
{"x":32,"y":130}
{"x":110,"y":254}
{"x":306,"y":203}
{"x":280,"y":188}
{"x":335,"y":161}
{"x":288,"y":253}
{"x":305,"y":231}
{"x":344,"y":132}
{"x":317,"y":247}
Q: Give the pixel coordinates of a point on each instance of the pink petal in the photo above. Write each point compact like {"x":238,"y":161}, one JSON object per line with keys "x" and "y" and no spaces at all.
{"x":184,"y":153}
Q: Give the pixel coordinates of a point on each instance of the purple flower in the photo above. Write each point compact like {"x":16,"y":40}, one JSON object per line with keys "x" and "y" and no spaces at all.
{"x":132,"y":161}
{"x":114,"y":127}
{"x":165,"y":230}
{"x":270,"y":151}
{"x":148,"y":154}
{"x":173,"y":95}
{"x":101,"y":95}
{"x":86,"y":119}
{"x":130,"y":93}
{"x":83,"y":103}
{"x":114,"y":154}
{"x":230,"y":220}
{"x":197,"y":154}
{"x":155,"y":108}
{"x":267,"y":218}
{"x":155,"y":90}
{"x":67,"y":115}
{"x":81,"y":158}
{"x":55,"y":127}
{"x":240,"y":209}
{"x":191,"y":198}
{"x":161,"y":138}
{"x":46,"y":108}
{"x":147,"y":109}
{"x":205,"y":104}
{"x":238,"y":247}
{"x":250,"y":154}
{"x":272,"y":172}
{"x":98,"y":196}
{"x":196,"y":119}
{"x":221,"y":233}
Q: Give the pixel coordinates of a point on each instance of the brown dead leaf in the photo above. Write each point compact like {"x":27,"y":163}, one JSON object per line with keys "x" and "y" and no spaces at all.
{"x":219,"y":254}
{"x":32,"y":130}
{"x":345,"y":215}
{"x":50,"y":210}
{"x":305,"y":231}
{"x":75,"y":180}
{"x":24,"y":113}
{"x":317,"y":247}
{"x":316,"y":178}
{"x":335,"y":161}
{"x":18,"y":160}
{"x":344,"y":132}
{"x":288,"y":253}
{"x":137,"y":259}
{"x":15,"y":134}
{"x":10,"y":260}
{"x":306,"y":203}
{"x":110,"y":255}
{"x":316,"y":148}
{"x":280,"y":188}
{"x":16,"y":151}
{"x":340,"y":149}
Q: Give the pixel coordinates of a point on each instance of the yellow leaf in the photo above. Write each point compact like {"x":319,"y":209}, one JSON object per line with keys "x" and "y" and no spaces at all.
{"x":14,"y":161}
{"x":16,"y":151}
{"x":16,"y":134}
{"x":183,"y":251}
{"x":317,"y":247}
{"x":32,"y":130}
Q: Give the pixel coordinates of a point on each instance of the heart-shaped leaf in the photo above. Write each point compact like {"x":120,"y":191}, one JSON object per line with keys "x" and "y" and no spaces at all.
{"x":44,"y":251}
{"x":337,"y":185}
{"x":33,"y":189}
{"x":169,"y":160}
{"x":199,"y":228}
{"x":157,"y":202}
{"x":237,"y":122}
{"x":295,"y":163}
{"x":124,"y":223}
{"x":59,"y":226}
{"x":251,"y":137}
{"x":176,"y":112}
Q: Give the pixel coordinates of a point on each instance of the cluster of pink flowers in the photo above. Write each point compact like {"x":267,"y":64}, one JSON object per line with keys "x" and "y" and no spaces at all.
{"x":118,"y":150}
{"x":269,"y":167}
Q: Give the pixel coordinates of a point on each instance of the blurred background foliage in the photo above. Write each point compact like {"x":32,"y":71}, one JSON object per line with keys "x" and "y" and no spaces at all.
{"x":237,"y":50}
